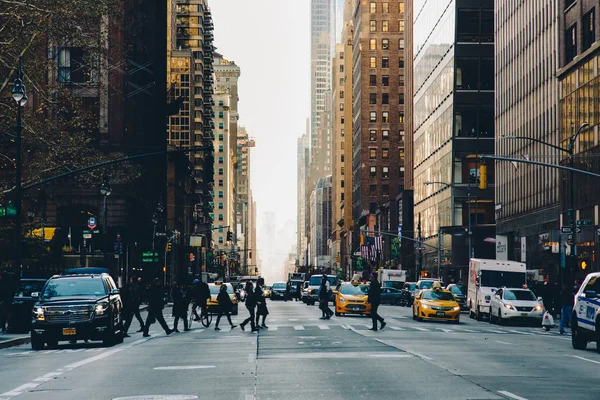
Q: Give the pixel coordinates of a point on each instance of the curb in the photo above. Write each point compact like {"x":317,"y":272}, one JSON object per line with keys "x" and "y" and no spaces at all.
{"x":14,"y":342}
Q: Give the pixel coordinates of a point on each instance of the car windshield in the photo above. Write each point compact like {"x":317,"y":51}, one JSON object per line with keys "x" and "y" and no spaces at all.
{"x":26,"y":288}
{"x":457,"y":289}
{"x":280,"y":285}
{"x":354,"y":290}
{"x":502,"y":278}
{"x":72,"y":287}
{"x":430,"y":295}
{"x":316,"y":280}
{"x":426,"y":284}
{"x":214,"y":289}
{"x":411,"y":286}
{"x":526,"y":295}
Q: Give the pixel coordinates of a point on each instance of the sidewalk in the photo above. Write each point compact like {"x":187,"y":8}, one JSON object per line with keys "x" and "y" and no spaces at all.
{"x":10,"y":339}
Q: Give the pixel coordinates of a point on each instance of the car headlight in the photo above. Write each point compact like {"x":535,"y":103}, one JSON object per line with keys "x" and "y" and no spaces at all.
{"x":101,"y":308}
{"x":342,"y":300}
{"x":38,"y":314}
{"x":424,"y":306}
{"x":457,"y":308}
{"x":309,"y":291}
{"x":537,"y":308}
{"x":509,"y":306}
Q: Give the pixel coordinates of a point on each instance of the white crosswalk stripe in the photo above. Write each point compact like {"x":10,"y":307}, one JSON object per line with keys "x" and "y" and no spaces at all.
{"x":323,"y":327}
{"x":298,"y":327}
{"x":397,"y":328}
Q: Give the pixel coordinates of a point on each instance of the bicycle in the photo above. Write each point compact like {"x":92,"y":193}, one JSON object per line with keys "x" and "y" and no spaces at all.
{"x":205,"y":316}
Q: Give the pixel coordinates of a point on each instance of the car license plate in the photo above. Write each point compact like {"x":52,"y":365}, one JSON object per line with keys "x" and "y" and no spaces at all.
{"x":441,"y":314}
{"x":524,"y":314}
{"x":69,"y":331}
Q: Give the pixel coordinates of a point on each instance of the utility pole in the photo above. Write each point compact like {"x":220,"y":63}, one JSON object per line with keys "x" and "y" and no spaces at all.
{"x":420,"y":262}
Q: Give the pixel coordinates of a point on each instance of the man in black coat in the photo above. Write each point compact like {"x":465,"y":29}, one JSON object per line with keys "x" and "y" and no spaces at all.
{"x":250,"y":305}
{"x":375,"y":299}
{"x":225,"y":307}
{"x":132,"y":298}
{"x":261,"y":304}
{"x":156,"y":303}
{"x":180,"y":306}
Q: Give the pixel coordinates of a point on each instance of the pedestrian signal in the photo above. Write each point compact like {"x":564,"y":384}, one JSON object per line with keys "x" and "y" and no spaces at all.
{"x":362,"y":239}
{"x":229,"y":236}
{"x":337,"y":258}
{"x":169,"y":248}
{"x":192,"y":257}
{"x":583,"y":264}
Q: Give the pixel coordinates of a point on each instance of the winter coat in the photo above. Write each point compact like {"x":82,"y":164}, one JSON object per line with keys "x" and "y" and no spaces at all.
{"x":225,"y":304}
{"x":156,"y":299}
{"x":260,"y":301}
{"x":324,"y":291}
{"x":374,"y":293}
{"x":567,"y":296}
{"x":250,"y":299}
{"x":180,"y":302}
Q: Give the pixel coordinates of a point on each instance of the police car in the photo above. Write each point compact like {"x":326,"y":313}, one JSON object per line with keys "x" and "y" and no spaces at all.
{"x":585,"y":324}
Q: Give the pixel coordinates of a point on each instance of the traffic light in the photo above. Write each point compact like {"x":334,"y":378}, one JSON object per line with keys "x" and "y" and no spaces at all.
{"x":337,"y":258}
{"x":362,"y":239}
{"x":169,"y":247}
{"x":483,"y":176}
{"x":583,"y":264}
{"x":229,"y":236}
{"x":192,"y":257}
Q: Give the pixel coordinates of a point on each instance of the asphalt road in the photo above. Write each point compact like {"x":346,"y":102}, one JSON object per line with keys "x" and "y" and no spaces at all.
{"x":303,"y":357}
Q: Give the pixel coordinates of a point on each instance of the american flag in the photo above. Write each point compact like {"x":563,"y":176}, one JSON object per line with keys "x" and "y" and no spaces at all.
{"x":379,"y":244}
{"x":364,"y":251}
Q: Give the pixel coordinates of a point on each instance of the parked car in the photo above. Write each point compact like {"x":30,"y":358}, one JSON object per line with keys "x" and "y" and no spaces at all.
{"x":77,"y":307}
{"x":515,"y":304}
{"x":391,"y":296}
{"x":19,"y":320}
{"x":459,"y":292}
{"x":585,"y":322}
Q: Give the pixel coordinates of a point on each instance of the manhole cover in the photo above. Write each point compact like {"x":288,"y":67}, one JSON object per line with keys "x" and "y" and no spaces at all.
{"x":159,"y":397}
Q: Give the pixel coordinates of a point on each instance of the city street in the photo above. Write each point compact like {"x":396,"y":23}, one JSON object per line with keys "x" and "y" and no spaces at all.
{"x":301,"y":357}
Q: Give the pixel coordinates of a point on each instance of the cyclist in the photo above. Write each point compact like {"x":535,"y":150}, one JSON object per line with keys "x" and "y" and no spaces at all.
{"x":200,"y":296}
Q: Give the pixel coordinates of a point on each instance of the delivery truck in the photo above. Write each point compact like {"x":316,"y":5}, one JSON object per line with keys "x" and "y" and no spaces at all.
{"x":393,"y":278}
{"x":487,"y":276}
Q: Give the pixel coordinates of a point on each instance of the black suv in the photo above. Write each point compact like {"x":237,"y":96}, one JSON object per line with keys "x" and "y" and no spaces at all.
{"x":77,"y":307}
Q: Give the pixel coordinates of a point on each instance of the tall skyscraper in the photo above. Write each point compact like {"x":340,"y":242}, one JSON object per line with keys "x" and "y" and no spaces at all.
{"x":527,"y":195}
{"x":322,"y":25}
{"x":579,"y":94}
{"x":302,"y":169}
{"x":378,"y":108}
{"x":453,"y":124}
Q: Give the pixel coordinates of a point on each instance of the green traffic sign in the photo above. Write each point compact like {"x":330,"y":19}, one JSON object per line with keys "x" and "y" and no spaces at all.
{"x":583,"y":222}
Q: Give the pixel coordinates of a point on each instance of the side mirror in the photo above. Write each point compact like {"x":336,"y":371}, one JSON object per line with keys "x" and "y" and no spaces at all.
{"x":591,"y":294}
{"x":115,"y":291}
{"x":334,"y":292}
{"x":35,"y":295}
{"x":540,"y":299}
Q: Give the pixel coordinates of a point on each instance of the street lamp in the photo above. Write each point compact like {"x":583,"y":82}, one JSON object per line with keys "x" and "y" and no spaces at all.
{"x":20,"y":96}
{"x":570,"y":150}
{"x":105,"y":190}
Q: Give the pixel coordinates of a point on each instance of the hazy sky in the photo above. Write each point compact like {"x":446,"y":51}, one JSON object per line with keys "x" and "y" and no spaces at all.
{"x":270,"y":41}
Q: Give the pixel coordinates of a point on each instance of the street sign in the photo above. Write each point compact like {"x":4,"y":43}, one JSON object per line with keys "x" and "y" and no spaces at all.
{"x":92,"y":223}
{"x":161,"y":234}
{"x":8,"y":211}
{"x":570,"y":237}
{"x":583,"y":222}
{"x":87,"y":234}
{"x":149,"y":256}
{"x":568,"y":229}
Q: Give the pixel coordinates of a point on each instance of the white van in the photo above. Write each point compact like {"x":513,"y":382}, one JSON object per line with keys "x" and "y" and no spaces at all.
{"x":485,"y":277}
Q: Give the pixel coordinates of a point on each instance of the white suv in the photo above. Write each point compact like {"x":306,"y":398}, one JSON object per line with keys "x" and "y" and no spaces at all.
{"x":585,"y":322}
{"x":508,"y":303}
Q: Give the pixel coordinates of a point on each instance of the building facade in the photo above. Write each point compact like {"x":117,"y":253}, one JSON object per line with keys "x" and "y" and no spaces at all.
{"x":579,"y":94}
{"x":322,"y":26}
{"x":320,"y":225}
{"x":453,"y":119}
{"x":302,"y":170}
{"x":527,"y":202}
{"x":378,"y":109}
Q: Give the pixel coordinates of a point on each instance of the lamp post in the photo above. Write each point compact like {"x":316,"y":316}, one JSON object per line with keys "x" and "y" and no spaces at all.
{"x":470,"y":233}
{"x":106,"y":191}
{"x":19,"y":95}
{"x":570,"y":150}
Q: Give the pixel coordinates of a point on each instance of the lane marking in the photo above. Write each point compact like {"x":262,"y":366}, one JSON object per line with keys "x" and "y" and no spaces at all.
{"x":391,"y":355}
{"x":511,"y":395}
{"x":18,"y":391}
{"x":273,"y":327}
{"x":587,"y":359}
{"x":423,"y":357}
{"x":344,"y":326}
{"x":445,"y":330}
{"x":323,"y":326}
{"x":183,"y":367}
{"x":298,"y":327}
{"x":494,"y":331}
{"x":520,"y":332}
{"x":421,"y":329}
{"x":470,"y":330}
{"x":292,"y":319}
{"x":501,"y":342}
{"x":251,"y":358}
{"x":396,"y":328}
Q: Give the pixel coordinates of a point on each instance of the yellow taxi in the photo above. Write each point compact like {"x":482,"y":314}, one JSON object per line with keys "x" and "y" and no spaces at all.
{"x":436,"y":304}
{"x":267,"y":291}
{"x":213,"y":304}
{"x":351,"y":298}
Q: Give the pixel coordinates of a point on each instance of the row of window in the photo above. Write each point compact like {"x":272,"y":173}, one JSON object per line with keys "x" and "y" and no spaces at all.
{"x":385,"y":98}
{"x":385,"y":26}
{"x":588,"y":35}
{"x":385,"y":7}
{"x":385,"y":117}
{"x":385,"y":136}
{"x":385,"y":172}
{"x":385,"y":62}
{"x":385,"y":44}
{"x":385,"y":154}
